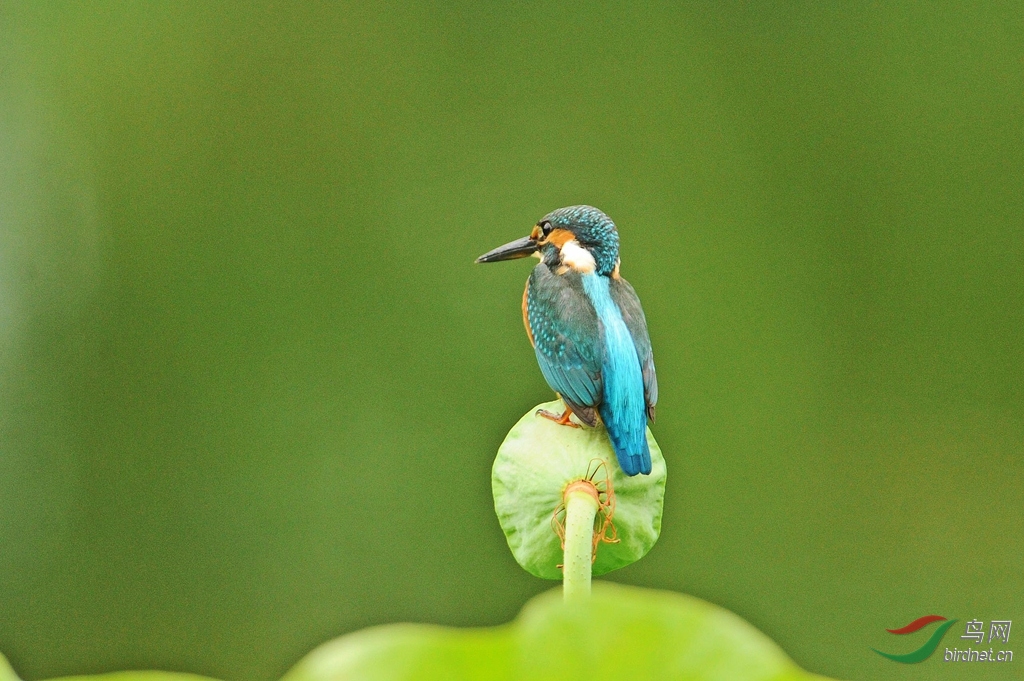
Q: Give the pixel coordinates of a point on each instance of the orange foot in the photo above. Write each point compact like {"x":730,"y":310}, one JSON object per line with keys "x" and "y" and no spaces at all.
{"x":562,"y":420}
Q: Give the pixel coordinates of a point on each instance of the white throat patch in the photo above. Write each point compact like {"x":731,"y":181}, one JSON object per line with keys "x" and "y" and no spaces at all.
{"x":577,"y":257}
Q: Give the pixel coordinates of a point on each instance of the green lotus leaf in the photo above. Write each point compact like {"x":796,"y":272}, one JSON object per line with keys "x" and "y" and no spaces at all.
{"x":136,"y":676}
{"x":618,"y":633}
{"x":6,"y":673}
{"x":534,"y":464}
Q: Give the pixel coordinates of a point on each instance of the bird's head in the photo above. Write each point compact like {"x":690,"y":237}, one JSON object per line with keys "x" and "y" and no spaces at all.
{"x":579,"y":238}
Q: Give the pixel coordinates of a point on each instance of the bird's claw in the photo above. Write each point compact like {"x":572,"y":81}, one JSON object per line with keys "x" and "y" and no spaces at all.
{"x":560,"y":419}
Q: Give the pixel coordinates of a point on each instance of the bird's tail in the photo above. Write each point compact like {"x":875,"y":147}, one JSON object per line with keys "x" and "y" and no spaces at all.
{"x":629,"y":440}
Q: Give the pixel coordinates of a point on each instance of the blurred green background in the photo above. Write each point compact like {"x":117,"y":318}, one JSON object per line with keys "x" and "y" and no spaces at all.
{"x":251,"y":384}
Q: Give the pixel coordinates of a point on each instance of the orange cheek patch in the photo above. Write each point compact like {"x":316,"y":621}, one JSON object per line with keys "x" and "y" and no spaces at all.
{"x":559,"y":237}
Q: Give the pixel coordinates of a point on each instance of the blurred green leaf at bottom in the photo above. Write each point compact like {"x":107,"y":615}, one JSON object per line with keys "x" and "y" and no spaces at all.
{"x":619,"y":633}
{"x":6,"y":673}
{"x":137,"y":676}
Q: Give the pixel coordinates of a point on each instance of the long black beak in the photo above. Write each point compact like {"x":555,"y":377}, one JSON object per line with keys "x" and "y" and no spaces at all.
{"x":520,"y":248}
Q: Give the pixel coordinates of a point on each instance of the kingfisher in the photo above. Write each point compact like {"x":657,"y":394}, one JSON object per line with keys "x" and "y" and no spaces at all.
{"x":588,"y":329}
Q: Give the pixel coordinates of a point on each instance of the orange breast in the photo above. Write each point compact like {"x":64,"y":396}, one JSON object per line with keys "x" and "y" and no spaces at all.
{"x":526,"y":314}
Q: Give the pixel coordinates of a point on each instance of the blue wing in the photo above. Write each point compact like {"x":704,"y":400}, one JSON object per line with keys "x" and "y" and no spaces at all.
{"x":629,"y":305}
{"x":567,"y":338}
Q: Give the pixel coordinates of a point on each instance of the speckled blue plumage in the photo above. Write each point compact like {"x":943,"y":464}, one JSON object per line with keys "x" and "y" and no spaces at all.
{"x":591,"y":340}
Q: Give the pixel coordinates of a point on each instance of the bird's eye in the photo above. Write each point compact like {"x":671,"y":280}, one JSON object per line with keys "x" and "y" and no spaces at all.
{"x":545,"y":227}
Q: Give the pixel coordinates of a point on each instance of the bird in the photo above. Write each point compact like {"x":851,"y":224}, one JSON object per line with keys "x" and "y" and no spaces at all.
{"x":588,"y":329}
